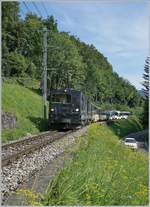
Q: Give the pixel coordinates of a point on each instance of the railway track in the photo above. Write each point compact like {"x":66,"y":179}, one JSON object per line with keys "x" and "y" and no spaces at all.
{"x":12,"y":151}
{"x":24,"y":165}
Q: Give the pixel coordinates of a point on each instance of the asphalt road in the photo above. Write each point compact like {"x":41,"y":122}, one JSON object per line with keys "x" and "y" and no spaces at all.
{"x":140,"y":138}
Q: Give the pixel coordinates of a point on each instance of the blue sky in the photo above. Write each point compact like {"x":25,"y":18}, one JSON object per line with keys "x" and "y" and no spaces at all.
{"x":117,"y":28}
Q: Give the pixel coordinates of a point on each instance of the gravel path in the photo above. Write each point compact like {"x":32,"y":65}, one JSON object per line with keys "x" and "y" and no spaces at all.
{"x":20,"y":171}
{"x":38,"y":183}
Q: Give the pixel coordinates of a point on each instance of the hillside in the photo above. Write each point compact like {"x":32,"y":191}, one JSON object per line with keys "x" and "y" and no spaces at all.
{"x":69,"y":59}
{"x":26,"y":105}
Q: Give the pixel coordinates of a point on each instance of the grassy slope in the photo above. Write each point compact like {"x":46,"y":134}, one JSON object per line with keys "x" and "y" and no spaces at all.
{"x":27,"y":106}
{"x":103,"y":172}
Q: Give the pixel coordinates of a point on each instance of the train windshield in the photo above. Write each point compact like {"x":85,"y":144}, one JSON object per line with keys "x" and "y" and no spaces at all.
{"x":61,"y":98}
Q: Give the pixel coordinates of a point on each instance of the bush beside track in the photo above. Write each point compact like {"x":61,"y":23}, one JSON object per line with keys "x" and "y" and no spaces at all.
{"x":103,"y":172}
{"x":26,"y":105}
{"x":124,"y":127}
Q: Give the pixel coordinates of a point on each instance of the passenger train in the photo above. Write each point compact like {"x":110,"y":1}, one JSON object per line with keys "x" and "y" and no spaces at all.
{"x":69,"y":108}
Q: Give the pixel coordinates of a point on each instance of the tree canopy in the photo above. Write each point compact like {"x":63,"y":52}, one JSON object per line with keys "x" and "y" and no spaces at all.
{"x":70,"y":61}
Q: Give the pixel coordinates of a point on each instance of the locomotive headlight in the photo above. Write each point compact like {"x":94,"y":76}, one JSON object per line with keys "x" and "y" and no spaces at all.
{"x":77,"y":110}
{"x":52,"y":109}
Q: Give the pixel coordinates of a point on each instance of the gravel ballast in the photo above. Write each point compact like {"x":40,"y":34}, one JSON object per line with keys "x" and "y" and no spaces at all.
{"x":20,"y":170}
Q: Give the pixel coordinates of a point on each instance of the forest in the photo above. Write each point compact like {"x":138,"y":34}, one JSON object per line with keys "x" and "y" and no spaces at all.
{"x":70,"y":61}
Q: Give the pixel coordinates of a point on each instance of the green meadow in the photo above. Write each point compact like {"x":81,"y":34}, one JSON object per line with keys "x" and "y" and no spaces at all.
{"x":103,"y":172}
{"x":26,"y":104}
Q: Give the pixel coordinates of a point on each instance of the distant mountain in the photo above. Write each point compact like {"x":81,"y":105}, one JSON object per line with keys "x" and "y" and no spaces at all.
{"x":141,"y":93}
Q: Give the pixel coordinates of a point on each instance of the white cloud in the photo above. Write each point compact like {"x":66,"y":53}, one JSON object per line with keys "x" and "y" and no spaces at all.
{"x":134,"y":79}
{"x":118,"y":30}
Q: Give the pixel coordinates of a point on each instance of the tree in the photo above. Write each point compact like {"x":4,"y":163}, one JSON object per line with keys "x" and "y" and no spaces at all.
{"x":146,"y":92}
{"x":51,"y":24}
{"x":63,"y":56}
{"x":33,"y":44}
{"x":16,"y":64}
{"x":10,"y":20}
{"x":146,"y":78}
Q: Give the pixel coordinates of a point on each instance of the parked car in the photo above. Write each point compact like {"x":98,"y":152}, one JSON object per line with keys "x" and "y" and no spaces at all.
{"x":131,"y":142}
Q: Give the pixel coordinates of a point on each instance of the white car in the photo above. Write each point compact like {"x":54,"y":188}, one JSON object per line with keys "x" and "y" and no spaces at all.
{"x":131,"y":142}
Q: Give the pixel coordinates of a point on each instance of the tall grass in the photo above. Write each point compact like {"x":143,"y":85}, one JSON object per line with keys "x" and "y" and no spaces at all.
{"x":26,"y":105}
{"x":103,"y":172}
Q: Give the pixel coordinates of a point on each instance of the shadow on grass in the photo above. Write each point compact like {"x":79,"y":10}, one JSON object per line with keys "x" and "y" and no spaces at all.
{"x":36,"y":90}
{"x":40,"y":123}
{"x":124,"y":127}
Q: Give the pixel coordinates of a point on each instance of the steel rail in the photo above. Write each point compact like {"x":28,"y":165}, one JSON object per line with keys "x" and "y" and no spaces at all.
{"x":6,"y":160}
{"x":27,"y":139}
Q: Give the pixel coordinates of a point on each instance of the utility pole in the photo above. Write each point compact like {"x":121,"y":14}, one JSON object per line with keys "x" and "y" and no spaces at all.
{"x":44,"y":71}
